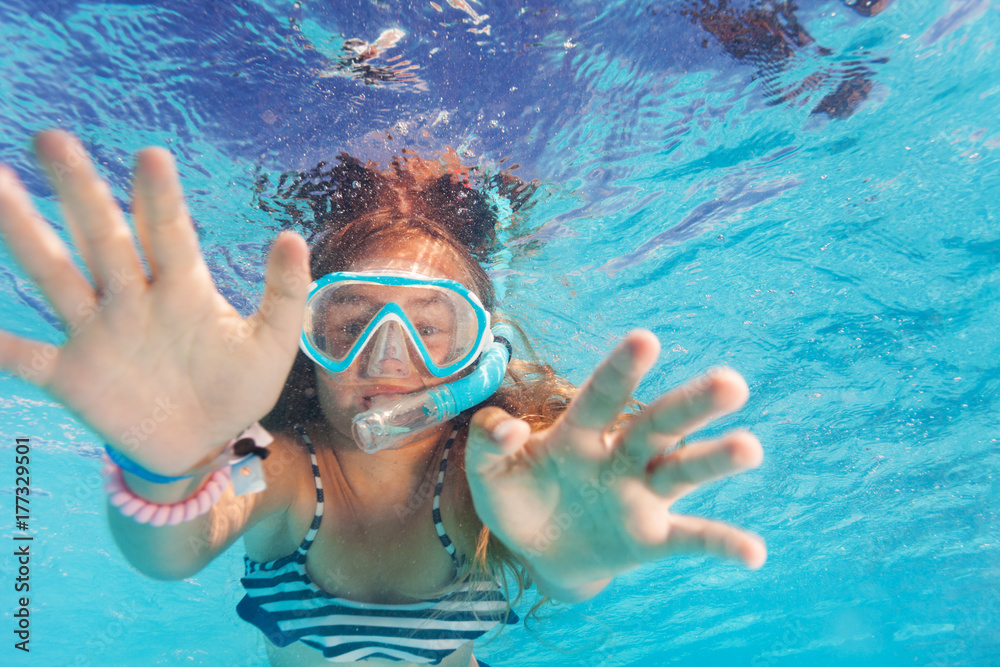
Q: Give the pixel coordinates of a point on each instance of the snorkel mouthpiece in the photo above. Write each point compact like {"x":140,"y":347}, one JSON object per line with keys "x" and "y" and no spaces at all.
{"x":400,"y":424}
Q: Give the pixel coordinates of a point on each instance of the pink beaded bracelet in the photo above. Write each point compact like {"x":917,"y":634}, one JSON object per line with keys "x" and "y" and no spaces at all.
{"x":155,"y":514}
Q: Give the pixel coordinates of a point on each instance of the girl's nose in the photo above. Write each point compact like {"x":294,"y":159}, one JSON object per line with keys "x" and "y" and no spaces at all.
{"x":388,"y":356}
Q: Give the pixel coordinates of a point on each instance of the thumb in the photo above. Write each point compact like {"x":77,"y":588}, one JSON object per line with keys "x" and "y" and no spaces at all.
{"x":287,"y":286}
{"x":494,"y":437}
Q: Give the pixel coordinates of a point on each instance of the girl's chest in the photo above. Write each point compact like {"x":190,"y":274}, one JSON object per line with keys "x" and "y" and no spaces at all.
{"x":387,"y":557}
{"x":387,"y":547}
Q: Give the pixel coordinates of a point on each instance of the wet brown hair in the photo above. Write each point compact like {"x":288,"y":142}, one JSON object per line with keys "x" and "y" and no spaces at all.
{"x":349,"y":210}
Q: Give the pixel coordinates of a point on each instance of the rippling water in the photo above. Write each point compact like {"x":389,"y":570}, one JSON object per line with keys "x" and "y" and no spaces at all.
{"x":807,"y":195}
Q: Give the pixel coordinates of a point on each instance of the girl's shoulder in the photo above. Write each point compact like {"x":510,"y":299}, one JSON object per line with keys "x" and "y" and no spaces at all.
{"x":280,"y":513}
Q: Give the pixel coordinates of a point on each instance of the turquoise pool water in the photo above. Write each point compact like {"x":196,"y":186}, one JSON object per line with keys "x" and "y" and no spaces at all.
{"x":810,"y":197}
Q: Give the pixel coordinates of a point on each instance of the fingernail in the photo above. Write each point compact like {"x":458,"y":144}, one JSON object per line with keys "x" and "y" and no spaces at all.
{"x":501,"y":431}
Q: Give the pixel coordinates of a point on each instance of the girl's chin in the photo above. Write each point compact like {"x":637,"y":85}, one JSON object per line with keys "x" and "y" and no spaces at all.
{"x":340,"y":420}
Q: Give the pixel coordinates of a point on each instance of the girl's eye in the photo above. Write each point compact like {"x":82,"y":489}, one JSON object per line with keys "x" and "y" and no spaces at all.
{"x":427,"y":330}
{"x":352,"y":329}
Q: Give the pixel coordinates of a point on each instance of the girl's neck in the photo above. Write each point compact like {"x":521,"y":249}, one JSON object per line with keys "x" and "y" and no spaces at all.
{"x":383,"y":470}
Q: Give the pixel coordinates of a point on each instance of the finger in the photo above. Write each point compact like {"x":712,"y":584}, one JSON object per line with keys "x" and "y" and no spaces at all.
{"x":496,"y":442}
{"x":665,"y":422}
{"x":286,"y":287}
{"x":683,"y":470}
{"x":96,"y":223}
{"x":605,"y":393}
{"x":40,"y":252}
{"x":161,"y":217}
{"x":694,"y":535}
{"x":31,"y":360}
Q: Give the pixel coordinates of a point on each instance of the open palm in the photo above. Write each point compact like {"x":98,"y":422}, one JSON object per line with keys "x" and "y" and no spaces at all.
{"x":582,"y":501}
{"x":161,"y":366}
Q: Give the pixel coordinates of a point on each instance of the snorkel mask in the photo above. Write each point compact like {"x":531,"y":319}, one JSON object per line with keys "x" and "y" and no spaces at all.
{"x":378,"y":318}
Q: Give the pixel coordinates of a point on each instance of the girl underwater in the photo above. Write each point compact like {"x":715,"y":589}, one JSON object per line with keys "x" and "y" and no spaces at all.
{"x":400,"y":554}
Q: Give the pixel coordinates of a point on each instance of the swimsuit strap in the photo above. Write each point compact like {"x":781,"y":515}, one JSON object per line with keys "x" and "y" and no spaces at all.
{"x":446,"y":542}
{"x":318,"y":516}
{"x":449,"y":546}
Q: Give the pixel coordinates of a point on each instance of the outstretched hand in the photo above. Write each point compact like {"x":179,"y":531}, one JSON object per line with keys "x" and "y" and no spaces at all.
{"x":162,"y":366}
{"x":580,"y":502}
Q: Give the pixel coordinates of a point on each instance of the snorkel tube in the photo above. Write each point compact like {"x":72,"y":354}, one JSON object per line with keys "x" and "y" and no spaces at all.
{"x":398,"y":425}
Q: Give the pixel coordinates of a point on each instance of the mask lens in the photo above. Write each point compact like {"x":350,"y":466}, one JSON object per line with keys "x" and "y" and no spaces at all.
{"x":346,"y":316}
{"x":440,"y":321}
{"x":387,"y":355}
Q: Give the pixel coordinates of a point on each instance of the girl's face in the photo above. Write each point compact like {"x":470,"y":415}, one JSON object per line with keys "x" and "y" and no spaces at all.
{"x":355,"y":390}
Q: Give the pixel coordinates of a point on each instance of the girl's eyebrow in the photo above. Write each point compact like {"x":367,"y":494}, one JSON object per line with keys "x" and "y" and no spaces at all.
{"x":425,"y":300}
{"x":350,"y":298}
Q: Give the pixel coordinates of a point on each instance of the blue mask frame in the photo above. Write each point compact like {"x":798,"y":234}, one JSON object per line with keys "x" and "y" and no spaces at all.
{"x":393,"y":311}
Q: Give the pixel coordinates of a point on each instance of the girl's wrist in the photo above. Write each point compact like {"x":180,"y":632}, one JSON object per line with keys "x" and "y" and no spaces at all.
{"x":149,"y":497}
{"x":252,"y":441}
{"x":571,"y":594}
{"x":170,"y":492}
{"x":159,"y":513}
{"x":562,"y":590}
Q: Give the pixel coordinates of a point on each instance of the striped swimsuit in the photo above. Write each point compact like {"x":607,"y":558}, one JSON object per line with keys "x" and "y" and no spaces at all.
{"x":287,"y":606}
